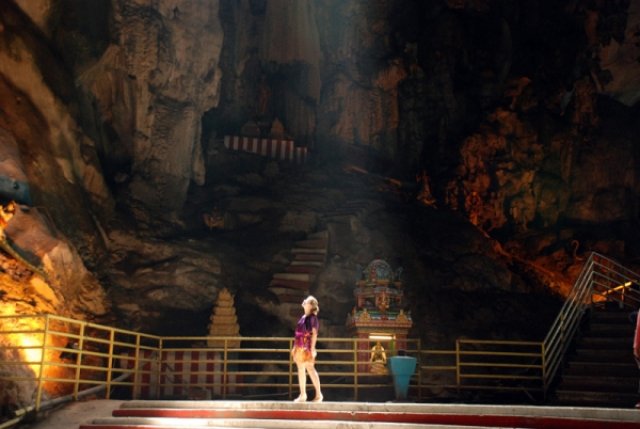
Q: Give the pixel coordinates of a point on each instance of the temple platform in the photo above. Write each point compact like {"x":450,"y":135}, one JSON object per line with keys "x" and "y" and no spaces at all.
{"x":104,"y":414}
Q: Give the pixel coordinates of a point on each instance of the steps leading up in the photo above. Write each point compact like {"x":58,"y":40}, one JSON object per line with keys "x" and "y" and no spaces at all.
{"x":355,"y":415}
{"x":308,"y":259}
{"x":293,"y":284}
{"x":601,"y":370}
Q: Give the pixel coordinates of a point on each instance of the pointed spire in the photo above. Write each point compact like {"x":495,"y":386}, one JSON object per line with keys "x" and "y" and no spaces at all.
{"x":223,"y":321}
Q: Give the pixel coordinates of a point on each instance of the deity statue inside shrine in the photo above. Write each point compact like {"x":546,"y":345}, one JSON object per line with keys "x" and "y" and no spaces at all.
{"x":378,"y":359}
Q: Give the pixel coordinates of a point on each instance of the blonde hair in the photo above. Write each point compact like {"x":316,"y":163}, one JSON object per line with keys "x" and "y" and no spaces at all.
{"x":314,"y":304}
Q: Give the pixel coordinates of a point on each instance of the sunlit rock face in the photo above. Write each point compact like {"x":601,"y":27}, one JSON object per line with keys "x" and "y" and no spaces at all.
{"x":48,"y":274}
{"x":43,"y":145}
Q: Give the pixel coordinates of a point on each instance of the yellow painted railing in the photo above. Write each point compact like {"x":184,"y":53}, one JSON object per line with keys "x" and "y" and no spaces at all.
{"x":46,"y":357}
{"x":50,"y":356}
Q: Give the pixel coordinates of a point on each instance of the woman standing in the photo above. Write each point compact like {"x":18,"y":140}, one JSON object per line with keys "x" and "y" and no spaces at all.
{"x":304,"y":349}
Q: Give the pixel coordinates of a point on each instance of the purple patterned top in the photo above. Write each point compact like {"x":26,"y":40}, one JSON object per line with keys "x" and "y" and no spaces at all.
{"x":304,"y":328}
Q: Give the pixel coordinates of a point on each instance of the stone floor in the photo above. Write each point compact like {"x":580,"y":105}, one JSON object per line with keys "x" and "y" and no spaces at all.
{"x":71,"y":415}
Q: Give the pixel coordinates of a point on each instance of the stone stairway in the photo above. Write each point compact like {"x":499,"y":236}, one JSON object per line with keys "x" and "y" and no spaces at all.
{"x":309,"y":258}
{"x":354,"y":415}
{"x":601,"y":370}
{"x":294,"y":284}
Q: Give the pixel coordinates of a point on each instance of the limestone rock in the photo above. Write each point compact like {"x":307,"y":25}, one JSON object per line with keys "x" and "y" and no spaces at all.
{"x":620,"y":59}
{"x":153,"y":86}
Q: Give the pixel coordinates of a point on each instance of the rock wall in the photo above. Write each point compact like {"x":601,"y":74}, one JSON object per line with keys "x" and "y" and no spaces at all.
{"x":112,"y":103}
{"x":151,"y":87}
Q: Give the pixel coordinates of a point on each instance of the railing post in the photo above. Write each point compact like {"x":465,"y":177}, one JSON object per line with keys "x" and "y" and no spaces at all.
{"x":355,"y":368}
{"x":137,"y":376}
{"x":458,"y":366}
{"x":112,"y":335}
{"x":76,"y":381}
{"x":419,"y":345}
{"x":563,"y":329}
{"x":42,"y":359}
{"x":224,"y":370}
{"x":157,"y":367}
{"x":543,"y":356}
{"x":290,"y":370}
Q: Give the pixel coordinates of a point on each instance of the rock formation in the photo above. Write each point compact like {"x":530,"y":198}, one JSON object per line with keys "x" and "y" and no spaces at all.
{"x":113,"y":112}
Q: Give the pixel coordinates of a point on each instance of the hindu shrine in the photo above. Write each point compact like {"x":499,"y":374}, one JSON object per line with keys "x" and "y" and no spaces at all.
{"x":379,"y":315}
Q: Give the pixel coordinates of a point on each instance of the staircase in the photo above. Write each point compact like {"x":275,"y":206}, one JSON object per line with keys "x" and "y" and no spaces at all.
{"x":309,"y":257}
{"x":601,"y":370}
{"x":294,"y":284}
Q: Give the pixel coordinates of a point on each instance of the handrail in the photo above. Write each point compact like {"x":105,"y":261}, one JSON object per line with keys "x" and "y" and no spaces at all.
{"x":601,"y":279}
{"x":53,"y":356}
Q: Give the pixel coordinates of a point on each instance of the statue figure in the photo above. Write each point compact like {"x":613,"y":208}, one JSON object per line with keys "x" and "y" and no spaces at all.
{"x":382,"y":302}
{"x":378,"y":354}
{"x":378,"y":359}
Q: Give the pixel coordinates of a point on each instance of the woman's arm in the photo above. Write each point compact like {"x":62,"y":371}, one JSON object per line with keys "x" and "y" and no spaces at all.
{"x":314,"y":340}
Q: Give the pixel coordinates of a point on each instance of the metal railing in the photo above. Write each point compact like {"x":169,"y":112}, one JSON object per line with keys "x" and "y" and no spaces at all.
{"x":601,"y":280}
{"x":50,"y":356}
{"x":45,"y":357}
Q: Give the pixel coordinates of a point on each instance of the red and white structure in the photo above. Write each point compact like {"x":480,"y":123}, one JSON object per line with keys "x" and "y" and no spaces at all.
{"x":279,"y":149}
{"x":175,"y":372}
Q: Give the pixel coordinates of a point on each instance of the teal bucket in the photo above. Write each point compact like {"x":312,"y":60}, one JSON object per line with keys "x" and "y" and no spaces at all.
{"x":402,"y":369}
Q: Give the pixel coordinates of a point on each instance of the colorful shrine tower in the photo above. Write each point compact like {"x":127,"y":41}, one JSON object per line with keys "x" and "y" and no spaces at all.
{"x":378,"y":315}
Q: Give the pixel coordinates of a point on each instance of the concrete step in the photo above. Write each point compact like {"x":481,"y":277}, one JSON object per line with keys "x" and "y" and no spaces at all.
{"x":599,"y":383}
{"x":301,"y":277}
{"x":281,"y":291}
{"x":621,"y":317}
{"x":317,"y":265}
{"x":620,"y":369}
{"x":597,"y":399}
{"x":309,"y":257}
{"x":605,"y":356}
{"x":356,"y":415}
{"x":607,"y":343}
{"x":290,"y":284}
{"x":312,"y":270}
{"x":297,"y":250}
{"x":269,"y":423}
{"x":312,"y":244}
{"x":611,"y":330}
